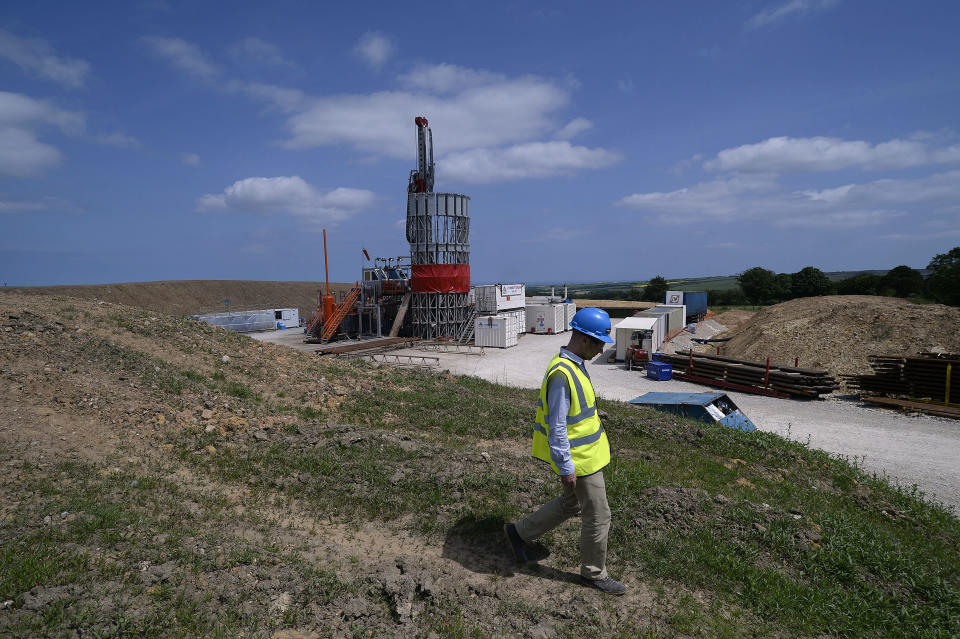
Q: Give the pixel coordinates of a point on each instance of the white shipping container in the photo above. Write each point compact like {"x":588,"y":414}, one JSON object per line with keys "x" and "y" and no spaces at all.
{"x":683,"y":313}
{"x":623,"y":333}
{"x":498,"y":331}
{"x":571,"y":311}
{"x":546,"y":318}
{"x":493,"y":298}
{"x":518,"y":317}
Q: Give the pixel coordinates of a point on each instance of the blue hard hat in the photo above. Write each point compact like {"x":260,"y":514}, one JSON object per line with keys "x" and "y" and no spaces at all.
{"x":593,"y":322}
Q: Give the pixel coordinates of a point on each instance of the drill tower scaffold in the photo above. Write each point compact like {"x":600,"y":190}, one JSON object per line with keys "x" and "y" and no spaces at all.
{"x":438,"y":230}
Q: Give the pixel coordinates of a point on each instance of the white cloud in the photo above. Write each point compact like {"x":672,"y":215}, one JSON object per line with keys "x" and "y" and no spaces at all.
{"x":256,"y":50}
{"x":12,"y":205}
{"x":17,"y":109}
{"x":625,"y":85}
{"x":21,"y":153}
{"x":191,"y":159}
{"x":286,"y":100}
{"x":374,"y":48}
{"x":444,"y":78}
{"x":475,"y":113}
{"x":760,"y":198}
{"x":795,"y":155}
{"x":573,"y":128}
{"x":788,"y":9}
{"x":524,"y":161}
{"x":38,"y":57}
{"x":288,"y":195}
{"x":184,"y":55}
{"x":487,"y":115}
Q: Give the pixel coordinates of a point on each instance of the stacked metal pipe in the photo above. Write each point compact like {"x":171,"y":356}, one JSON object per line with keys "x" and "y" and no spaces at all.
{"x":755,"y":377}
{"x":923,"y":376}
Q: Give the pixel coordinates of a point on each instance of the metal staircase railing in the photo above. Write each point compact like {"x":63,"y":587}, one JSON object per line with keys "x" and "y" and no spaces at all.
{"x":329,"y":328}
{"x":467,"y":332}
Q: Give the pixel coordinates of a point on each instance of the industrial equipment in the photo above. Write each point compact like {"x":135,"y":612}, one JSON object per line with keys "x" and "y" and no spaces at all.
{"x":423,"y":294}
{"x":326,"y":322}
{"x":637,"y":354}
{"x":707,"y":407}
{"x":695,"y":301}
{"x":438,"y":230}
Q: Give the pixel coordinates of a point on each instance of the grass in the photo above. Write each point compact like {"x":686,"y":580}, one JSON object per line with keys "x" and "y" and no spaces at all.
{"x":738,"y":534}
{"x":120,"y":524}
{"x":828,"y":556}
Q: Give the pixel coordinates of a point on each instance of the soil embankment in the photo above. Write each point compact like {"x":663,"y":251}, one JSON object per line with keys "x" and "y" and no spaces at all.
{"x":187,"y":297}
{"x":839,"y":332}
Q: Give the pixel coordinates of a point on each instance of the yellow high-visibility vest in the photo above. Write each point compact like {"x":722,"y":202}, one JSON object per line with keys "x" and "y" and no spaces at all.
{"x":589,"y":447}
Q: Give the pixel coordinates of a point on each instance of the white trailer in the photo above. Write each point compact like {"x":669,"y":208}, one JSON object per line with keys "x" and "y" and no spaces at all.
{"x":494,"y":298}
{"x":650,"y":330}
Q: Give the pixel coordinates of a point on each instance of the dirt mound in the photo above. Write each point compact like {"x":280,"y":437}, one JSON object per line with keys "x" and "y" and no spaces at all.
{"x":734,"y":317}
{"x":839,"y":332}
{"x":186,"y":297}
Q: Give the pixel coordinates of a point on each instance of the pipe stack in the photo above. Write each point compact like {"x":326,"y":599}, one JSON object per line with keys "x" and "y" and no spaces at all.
{"x":926,"y":376}
{"x":756,"y":377}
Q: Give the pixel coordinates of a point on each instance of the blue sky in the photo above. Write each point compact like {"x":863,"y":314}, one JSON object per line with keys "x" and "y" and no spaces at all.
{"x":615,"y":141}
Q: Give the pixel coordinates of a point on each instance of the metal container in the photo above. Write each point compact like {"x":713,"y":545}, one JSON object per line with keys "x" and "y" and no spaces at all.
{"x":696,"y":303}
{"x":546,"y":318}
{"x":651,"y":327}
{"x":497,"y":331}
{"x":519,"y":318}
{"x":660,"y":371}
{"x":571,"y":309}
{"x":712,"y":408}
{"x":249,"y":321}
{"x":493,"y":298}
{"x":673,"y":316}
{"x":683,"y":312}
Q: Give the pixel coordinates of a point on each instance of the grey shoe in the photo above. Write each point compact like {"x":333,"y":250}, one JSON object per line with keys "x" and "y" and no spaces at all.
{"x":607,"y":585}
{"x":516,"y":543}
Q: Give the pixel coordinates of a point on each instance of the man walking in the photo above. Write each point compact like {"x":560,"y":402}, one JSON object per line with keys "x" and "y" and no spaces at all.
{"x":568,"y":436}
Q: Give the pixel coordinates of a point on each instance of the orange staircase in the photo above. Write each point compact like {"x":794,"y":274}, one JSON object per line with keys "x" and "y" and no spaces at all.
{"x":329,"y":328}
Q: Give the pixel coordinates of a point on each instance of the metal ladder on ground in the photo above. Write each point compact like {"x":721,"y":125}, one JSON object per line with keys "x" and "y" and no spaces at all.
{"x":467,"y":332}
{"x":329,"y":328}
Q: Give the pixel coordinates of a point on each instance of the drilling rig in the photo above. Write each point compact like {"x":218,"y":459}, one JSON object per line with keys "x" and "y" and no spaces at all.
{"x":427,"y":294}
{"x":438,"y":230}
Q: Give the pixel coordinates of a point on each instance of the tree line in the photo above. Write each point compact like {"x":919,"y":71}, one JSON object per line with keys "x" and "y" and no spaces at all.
{"x":761,"y":286}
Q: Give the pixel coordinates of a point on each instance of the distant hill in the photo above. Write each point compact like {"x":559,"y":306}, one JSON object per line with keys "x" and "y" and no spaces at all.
{"x":714,"y":283}
{"x":187,"y":297}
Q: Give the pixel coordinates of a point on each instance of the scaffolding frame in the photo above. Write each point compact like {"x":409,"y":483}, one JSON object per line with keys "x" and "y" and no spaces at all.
{"x":438,"y":230}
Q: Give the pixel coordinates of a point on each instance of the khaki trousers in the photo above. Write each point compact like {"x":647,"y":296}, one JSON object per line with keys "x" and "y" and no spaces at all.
{"x":589,"y":500}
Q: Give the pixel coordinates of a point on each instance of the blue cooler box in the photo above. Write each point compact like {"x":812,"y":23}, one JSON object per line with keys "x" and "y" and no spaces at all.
{"x":656,"y":357}
{"x":660,"y":371}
